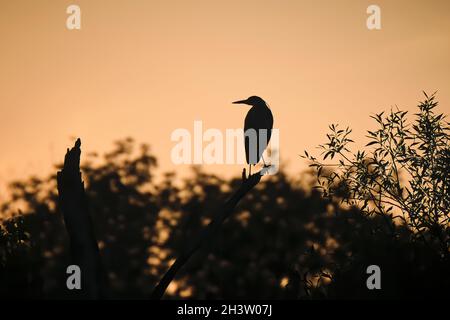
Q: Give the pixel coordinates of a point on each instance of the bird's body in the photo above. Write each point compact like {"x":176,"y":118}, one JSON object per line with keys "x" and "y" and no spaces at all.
{"x":257,"y":128}
{"x":258,"y":118}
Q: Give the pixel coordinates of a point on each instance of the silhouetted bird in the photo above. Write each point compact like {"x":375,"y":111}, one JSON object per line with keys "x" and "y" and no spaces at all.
{"x":260,"y":119}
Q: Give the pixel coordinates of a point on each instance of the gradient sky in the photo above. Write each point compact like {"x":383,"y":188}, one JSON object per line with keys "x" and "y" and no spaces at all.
{"x":144,"y":68}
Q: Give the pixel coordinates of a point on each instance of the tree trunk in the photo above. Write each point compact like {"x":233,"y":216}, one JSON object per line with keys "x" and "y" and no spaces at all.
{"x":83,"y":244}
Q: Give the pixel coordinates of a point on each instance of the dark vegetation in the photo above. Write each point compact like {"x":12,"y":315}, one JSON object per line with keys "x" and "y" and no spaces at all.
{"x":284,"y":240}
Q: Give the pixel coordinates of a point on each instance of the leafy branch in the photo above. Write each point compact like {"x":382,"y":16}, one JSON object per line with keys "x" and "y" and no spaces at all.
{"x":402,"y":172}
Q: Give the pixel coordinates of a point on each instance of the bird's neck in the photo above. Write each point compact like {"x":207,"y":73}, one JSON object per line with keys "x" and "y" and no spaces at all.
{"x":260,"y":106}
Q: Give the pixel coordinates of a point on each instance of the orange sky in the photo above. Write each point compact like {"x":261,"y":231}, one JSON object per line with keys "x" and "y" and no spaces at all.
{"x":145,"y":68}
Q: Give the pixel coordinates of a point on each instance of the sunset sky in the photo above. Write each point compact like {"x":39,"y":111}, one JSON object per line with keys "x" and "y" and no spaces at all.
{"x":144,"y":68}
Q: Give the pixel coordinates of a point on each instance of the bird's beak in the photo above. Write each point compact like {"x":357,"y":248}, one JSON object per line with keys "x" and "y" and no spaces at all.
{"x":241,"y":102}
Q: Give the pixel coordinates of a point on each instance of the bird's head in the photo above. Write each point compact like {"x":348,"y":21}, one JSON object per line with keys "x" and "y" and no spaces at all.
{"x":252,"y":101}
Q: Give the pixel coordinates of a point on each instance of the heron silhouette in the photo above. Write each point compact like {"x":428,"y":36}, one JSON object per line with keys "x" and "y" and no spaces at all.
{"x":257,"y":129}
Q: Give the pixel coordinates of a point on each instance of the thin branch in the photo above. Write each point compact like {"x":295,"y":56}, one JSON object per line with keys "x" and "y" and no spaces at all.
{"x":247,"y":185}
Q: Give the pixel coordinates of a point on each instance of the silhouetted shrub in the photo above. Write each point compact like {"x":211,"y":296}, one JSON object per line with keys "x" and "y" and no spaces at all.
{"x":283,"y":241}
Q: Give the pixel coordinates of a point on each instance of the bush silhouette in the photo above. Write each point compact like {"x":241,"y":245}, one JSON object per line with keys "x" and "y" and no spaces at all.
{"x":284,"y":240}
{"x":402,"y":173}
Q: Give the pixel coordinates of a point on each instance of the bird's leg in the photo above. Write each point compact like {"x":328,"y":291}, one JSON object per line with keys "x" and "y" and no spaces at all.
{"x":265,"y":165}
{"x":249,"y":170}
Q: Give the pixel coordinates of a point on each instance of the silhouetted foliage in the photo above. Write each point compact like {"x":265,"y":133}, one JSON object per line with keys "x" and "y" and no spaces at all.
{"x":402,"y":174}
{"x":284,"y":240}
